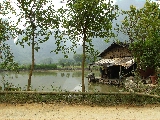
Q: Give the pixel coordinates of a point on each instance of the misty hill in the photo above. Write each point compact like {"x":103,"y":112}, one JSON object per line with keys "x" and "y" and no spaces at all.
{"x":23,"y":55}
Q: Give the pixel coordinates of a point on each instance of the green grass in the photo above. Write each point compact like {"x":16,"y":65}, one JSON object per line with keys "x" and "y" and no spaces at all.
{"x":101,"y":99}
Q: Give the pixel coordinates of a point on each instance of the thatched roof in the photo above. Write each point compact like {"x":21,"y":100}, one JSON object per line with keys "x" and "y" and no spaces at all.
{"x":126,"y":62}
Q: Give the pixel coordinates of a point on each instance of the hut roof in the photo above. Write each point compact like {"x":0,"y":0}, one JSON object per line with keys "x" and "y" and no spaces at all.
{"x":112,"y":46}
{"x":126,"y":62}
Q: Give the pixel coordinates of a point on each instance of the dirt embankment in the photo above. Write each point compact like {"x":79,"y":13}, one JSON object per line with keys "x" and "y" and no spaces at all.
{"x":77,"y":112}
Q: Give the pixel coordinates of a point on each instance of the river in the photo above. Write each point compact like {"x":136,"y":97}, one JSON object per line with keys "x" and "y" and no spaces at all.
{"x":53,"y":81}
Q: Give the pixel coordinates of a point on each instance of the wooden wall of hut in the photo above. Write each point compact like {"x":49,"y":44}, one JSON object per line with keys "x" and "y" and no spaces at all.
{"x":117,"y":52}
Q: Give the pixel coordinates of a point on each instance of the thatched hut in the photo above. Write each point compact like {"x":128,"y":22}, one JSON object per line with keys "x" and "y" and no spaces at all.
{"x":117,"y":61}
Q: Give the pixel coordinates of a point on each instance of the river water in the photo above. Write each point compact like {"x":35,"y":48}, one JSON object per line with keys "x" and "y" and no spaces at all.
{"x":53,"y":81}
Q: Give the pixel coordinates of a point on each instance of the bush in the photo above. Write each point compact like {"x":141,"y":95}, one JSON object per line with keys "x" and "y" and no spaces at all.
{"x":39,"y":67}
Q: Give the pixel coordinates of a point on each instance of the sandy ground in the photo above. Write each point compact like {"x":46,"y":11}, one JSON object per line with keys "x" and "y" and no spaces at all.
{"x":77,"y":112}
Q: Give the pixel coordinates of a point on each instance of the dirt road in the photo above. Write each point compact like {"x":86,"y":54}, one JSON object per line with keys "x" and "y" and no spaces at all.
{"x":77,"y":112}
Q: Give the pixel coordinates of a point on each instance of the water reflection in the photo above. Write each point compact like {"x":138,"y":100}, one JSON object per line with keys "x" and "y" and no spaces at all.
{"x":96,"y":87}
{"x":67,"y":75}
{"x":77,"y":74}
{"x":62,"y":74}
{"x":52,"y":80}
{"x":43,"y":73}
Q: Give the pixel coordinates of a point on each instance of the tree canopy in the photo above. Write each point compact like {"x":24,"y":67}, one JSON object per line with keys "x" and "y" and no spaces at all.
{"x":143,"y":28}
{"x":6,"y":33}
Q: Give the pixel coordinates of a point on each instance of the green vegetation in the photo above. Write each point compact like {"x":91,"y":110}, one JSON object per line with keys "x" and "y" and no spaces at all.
{"x":76,"y":61}
{"x":102,"y":99}
{"x":143,"y":28}
{"x":6,"y":56}
{"x":39,"y":67}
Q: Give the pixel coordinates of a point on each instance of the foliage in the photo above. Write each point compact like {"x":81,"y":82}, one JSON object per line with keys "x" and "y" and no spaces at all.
{"x":77,"y":58}
{"x":39,"y":67}
{"x":38,"y":19}
{"x":84,"y":20}
{"x":66,"y":62}
{"x":44,"y":67}
{"x":147,"y":52}
{"x":89,"y":15}
{"x":6,"y":56}
{"x":143,"y":27}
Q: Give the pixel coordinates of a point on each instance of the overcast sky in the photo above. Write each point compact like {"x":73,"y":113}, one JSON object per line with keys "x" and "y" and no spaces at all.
{"x":57,"y":4}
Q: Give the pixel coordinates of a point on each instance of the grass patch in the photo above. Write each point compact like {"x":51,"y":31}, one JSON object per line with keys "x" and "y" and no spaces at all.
{"x":101,"y":99}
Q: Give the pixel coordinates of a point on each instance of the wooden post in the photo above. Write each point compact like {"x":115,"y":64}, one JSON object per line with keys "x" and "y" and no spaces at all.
{"x":120,"y":71}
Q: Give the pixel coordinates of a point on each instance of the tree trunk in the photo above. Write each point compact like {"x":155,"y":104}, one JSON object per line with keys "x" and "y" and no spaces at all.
{"x":83,"y":63}
{"x":32,"y":66}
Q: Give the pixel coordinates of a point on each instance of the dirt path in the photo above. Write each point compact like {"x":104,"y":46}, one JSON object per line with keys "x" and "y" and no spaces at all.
{"x":77,"y":112}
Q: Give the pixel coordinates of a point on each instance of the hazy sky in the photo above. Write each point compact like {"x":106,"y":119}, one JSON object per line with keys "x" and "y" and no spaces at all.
{"x":57,"y":4}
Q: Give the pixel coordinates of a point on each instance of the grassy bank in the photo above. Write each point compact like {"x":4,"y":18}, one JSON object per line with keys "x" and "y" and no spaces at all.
{"x":102,"y":99}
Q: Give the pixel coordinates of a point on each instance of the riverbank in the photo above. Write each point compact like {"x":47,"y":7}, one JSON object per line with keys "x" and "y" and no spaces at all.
{"x":62,"y":111}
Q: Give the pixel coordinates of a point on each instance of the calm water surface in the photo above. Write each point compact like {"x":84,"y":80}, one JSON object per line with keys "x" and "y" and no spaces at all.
{"x":53,"y":80}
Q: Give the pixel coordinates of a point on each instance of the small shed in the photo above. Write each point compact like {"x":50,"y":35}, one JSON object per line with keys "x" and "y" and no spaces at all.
{"x":117,"y":61}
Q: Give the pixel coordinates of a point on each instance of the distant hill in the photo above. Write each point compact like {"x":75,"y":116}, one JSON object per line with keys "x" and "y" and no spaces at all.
{"x":23,"y":55}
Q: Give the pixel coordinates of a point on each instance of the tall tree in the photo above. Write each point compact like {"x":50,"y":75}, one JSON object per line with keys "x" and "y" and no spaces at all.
{"x":84,"y":20}
{"x":143,"y":28}
{"x":37,"y":16}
